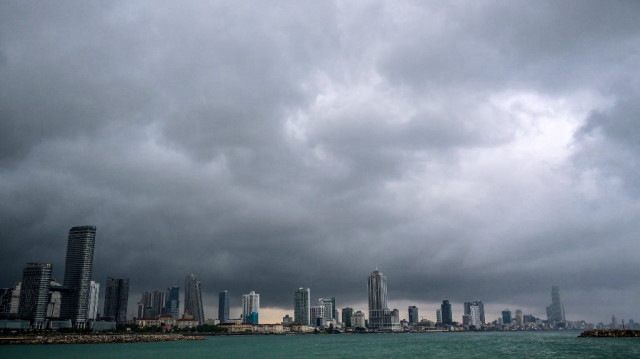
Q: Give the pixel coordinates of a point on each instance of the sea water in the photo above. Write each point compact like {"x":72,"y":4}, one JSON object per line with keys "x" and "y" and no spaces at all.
{"x":414,"y":345}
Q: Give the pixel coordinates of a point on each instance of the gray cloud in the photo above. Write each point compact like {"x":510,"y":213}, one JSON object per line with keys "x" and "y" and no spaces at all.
{"x":471,"y":151}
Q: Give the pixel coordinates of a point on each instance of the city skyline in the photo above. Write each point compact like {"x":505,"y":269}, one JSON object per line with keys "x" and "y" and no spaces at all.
{"x":474,"y":150}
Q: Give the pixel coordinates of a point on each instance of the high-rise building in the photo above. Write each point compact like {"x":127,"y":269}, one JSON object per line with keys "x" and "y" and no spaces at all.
{"x":94,"y":293}
{"x":439,"y":316}
{"x":347,"y":314}
{"x":151,"y":304}
{"x":250,"y":307}
{"x":301,"y":306}
{"x":77,"y":274}
{"x":357,"y":320}
{"x":555,"y":311}
{"x":380,"y":317}
{"x":193,"y":298}
{"x":447,"y":314}
{"x":116,"y":298}
{"x":475,"y":312}
{"x":223,"y":306}
{"x":519,"y":317}
{"x":55,"y":299}
{"x":172,"y":302}
{"x":413,"y":315}
{"x":316,"y":313}
{"x":34,"y":295}
{"x":506,"y":316}
{"x":329,"y":305}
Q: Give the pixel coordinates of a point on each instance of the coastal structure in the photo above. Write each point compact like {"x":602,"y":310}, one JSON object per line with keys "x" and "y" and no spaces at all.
{"x":555,"y":311}
{"x":473,"y":313}
{"x":193,"y":298}
{"x":413,"y":315}
{"x":94,"y":293}
{"x":447,"y":314}
{"x":34,"y":295}
{"x":172,"y":302}
{"x":380,"y":317}
{"x":347,"y":314}
{"x":77,"y":274}
{"x":250,"y":307}
{"x":301,"y":306}
{"x":329,"y":305}
{"x":116,"y":298}
{"x":223,"y":306}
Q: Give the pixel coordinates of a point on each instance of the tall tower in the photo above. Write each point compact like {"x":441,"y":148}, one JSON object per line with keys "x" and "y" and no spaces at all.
{"x":250,"y":307}
{"x":555,"y":311}
{"x":92,"y":309}
{"x":116,"y":298}
{"x":380,"y":317}
{"x":172,"y":304}
{"x":77,"y":274}
{"x":447,"y":314}
{"x":34,"y":295}
{"x":329,"y":305}
{"x":413,"y":314}
{"x":301,"y":306}
{"x":223,"y":306}
{"x":193,"y":298}
{"x":475,"y":311}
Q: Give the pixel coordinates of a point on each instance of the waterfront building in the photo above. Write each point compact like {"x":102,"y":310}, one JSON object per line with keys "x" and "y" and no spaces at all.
{"x":34,"y":295}
{"x":474,"y":310}
{"x":413,"y":315}
{"x":358,"y":320}
{"x":5,"y":301}
{"x":172,"y":302}
{"x":347,"y":314}
{"x":380,"y":317}
{"x":54,"y":299}
{"x":250,"y":307}
{"x":77,"y":274}
{"x":317,"y":315}
{"x":447,"y":314}
{"x":506,"y":317}
{"x":555,"y":311}
{"x":151,"y":304}
{"x":287,"y":320}
{"x":329,"y":305}
{"x":193,"y":298}
{"x":116,"y":297}
{"x":223,"y":306}
{"x":94,"y":292}
{"x":301,"y":306}
{"x":438,"y":316}
{"x":519,"y":317}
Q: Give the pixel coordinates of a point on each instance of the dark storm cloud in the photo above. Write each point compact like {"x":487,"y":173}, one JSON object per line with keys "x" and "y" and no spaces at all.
{"x":480,"y":150}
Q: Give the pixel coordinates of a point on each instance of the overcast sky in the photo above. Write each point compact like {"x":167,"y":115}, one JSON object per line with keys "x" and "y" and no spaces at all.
{"x":470,"y":150}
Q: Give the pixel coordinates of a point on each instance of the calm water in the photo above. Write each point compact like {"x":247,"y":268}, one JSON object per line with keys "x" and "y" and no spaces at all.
{"x":429,"y":345}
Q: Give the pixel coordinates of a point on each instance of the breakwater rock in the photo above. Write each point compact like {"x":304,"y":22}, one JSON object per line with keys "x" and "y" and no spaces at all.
{"x":99,"y":339}
{"x":610,"y":333}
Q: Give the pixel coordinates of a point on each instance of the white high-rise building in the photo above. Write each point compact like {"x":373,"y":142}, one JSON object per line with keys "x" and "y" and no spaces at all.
{"x":250,"y":307}
{"x":317,"y":314}
{"x":94,"y":292}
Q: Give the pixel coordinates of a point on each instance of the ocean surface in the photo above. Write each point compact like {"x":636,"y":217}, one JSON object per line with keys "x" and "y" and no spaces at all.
{"x":415,"y":345}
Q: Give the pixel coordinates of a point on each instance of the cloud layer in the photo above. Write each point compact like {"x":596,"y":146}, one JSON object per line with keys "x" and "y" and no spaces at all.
{"x":474,"y":150}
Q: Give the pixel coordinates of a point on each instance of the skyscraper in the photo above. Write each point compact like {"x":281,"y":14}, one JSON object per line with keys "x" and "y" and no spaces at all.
{"x":94,"y":292}
{"x":447,"y":314}
{"x":329,"y":305}
{"x":193,"y":298}
{"x":555,"y":311}
{"x":34,"y":295}
{"x":116,"y":298}
{"x":475,"y":311}
{"x":380,"y":317}
{"x":316,"y":313}
{"x":301,"y":306}
{"x":347,"y":314}
{"x":413,"y":314}
{"x":250,"y":307}
{"x":172,"y":304}
{"x":223,"y":306}
{"x":77,"y":274}
{"x":506,"y":316}
{"x":151,"y":304}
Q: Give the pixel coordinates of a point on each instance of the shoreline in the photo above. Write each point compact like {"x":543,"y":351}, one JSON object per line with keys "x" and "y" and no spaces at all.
{"x":97,"y":339}
{"x":610,"y":333}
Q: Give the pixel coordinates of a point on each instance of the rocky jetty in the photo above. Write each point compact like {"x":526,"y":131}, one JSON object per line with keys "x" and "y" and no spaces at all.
{"x":99,"y":339}
{"x":610,"y":333}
